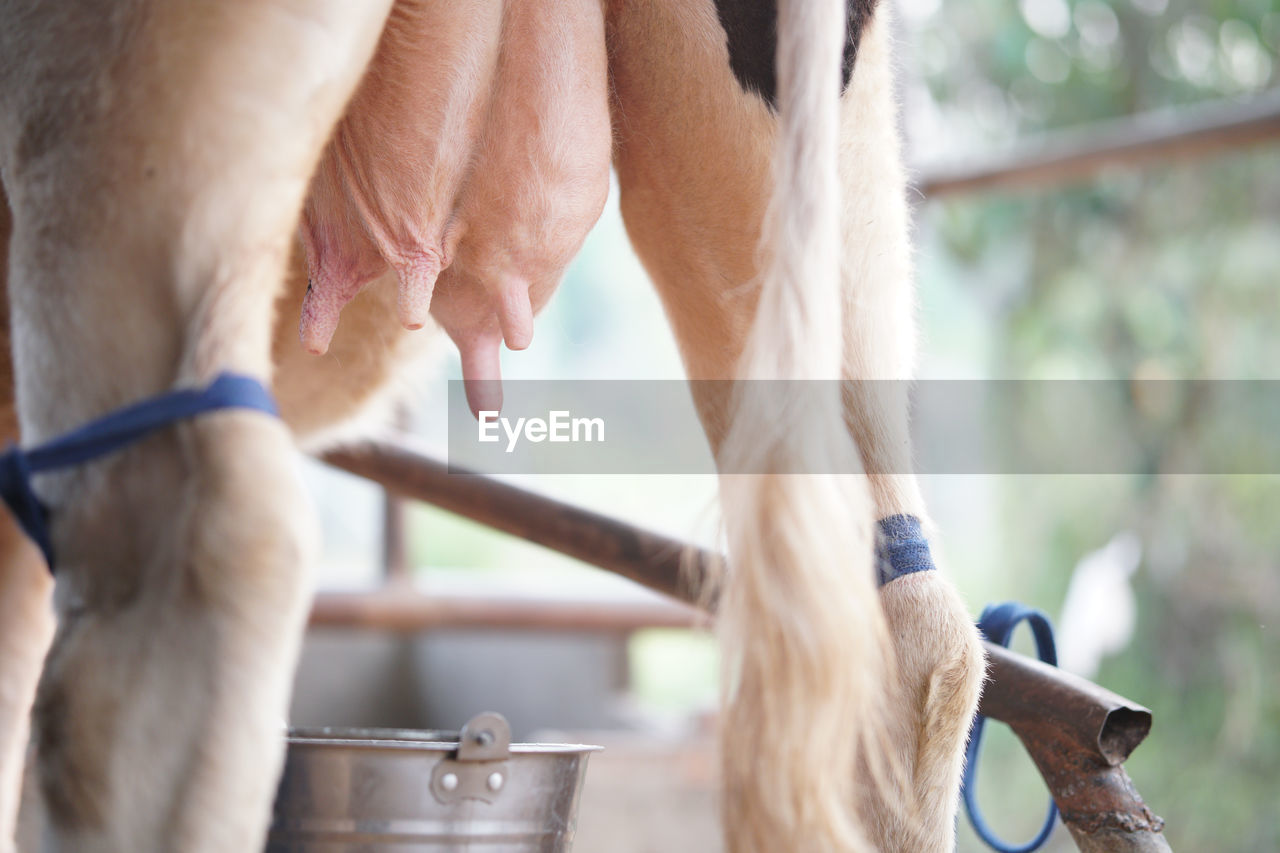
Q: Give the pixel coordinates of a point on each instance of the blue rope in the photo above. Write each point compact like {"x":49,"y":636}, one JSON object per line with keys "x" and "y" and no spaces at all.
{"x":110,"y":433}
{"x":997,"y":623}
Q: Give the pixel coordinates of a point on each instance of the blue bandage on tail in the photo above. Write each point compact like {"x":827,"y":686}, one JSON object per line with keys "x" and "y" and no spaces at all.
{"x":110,"y":433}
{"x":901,"y":548}
{"x":997,"y":623}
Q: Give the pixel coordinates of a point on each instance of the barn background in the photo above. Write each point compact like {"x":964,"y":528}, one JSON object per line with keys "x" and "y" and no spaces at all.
{"x":1161,"y":270}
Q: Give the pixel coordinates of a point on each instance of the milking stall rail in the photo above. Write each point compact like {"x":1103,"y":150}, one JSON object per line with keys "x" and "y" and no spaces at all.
{"x":1077,"y":733}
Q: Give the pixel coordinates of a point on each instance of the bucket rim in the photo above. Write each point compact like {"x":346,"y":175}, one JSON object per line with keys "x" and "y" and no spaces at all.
{"x":426,"y":740}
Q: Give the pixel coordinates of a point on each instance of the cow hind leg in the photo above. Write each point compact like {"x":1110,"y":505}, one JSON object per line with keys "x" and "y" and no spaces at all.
{"x":155,"y":159}
{"x":693,"y":161}
{"x":939,"y":660}
{"x":804,"y":641}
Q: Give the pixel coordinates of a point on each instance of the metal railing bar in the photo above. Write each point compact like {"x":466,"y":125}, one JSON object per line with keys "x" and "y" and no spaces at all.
{"x":1081,"y":152}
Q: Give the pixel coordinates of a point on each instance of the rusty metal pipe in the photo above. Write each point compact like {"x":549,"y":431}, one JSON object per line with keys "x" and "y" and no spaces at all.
{"x":650,"y":559}
{"x":1094,"y":720}
{"x":1078,"y":734}
{"x":1134,"y":141}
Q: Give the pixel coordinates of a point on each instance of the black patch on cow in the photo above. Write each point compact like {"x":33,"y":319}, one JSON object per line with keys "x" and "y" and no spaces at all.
{"x":751,"y":27}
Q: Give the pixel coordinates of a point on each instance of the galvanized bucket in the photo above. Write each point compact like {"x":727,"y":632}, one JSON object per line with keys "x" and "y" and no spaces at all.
{"x":393,"y":791}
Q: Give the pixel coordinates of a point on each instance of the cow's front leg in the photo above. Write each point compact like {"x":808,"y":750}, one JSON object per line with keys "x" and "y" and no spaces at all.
{"x":155,"y":156}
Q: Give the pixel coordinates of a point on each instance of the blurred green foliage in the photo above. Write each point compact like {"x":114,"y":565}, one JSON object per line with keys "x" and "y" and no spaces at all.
{"x":1169,"y":271}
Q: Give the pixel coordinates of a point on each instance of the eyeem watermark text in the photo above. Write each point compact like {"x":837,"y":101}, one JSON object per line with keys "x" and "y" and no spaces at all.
{"x":559,"y":426}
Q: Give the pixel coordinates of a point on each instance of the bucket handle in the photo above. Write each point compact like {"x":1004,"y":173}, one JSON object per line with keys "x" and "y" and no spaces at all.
{"x":478,"y":769}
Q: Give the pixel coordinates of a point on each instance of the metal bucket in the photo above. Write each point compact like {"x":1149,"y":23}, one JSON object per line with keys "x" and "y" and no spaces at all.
{"x":393,"y":791}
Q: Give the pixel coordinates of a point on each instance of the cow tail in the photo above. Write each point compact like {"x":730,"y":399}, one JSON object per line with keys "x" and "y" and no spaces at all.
{"x":804,"y":638}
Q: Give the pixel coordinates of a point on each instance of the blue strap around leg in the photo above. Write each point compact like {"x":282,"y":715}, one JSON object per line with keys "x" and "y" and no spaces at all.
{"x":901,"y":548}
{"x":110,"y":433}
{"x":997,"y":623}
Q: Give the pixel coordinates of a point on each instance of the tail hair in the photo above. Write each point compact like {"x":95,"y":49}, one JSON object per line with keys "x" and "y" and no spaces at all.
{"x":802,"y":631}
